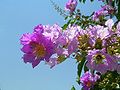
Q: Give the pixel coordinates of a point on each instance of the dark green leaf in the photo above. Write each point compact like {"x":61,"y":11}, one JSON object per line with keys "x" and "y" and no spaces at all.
{"x":80,"y":0}
{"x":91,"y":0}
{"x":119,"y":11}
{"x":73,"y":88}
{"x":113,"y":3}
{"x":65,"y":26}
{"x":85,"y":68}
{"x":66,"y":17}
{"x":80,"y":66}
{"x":84,"y":1}
{"x":107,"y":1}
{"x":116,"y":2}
{"x":72,"y":21}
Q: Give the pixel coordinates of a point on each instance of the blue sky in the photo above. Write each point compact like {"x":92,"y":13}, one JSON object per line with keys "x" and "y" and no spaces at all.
{"x":18,"y":17}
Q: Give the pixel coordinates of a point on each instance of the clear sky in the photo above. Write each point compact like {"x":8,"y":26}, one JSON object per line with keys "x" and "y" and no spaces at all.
{"x":18,"y":17}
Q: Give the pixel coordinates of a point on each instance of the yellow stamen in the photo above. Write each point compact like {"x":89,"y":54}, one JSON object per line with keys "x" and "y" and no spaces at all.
{"x":99,"y":58}
{"x":39,"y":49}
{"x":88,"y":84}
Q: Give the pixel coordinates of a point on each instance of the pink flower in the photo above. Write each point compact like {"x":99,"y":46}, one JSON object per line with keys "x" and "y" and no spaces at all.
{"x":100,"y":61}
{"x":36,"y":48}
{"x":118,"y":29}
{"x":105,"y":10}
{"x":26,"y":38}
{"x":52,"y":32}
{"x":118,"y":68}
{"x":68,"y":41}
{"x":52,"y":62}
{"x":109,"y":23}
{"x":71,"y":5}
{"x":88,"y":80}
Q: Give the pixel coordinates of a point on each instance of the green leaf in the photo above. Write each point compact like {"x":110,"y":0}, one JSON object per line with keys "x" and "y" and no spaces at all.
{"x":107,"y":1}
{"x":84,"y":1}
{"x":64,"y":26}
{"x":80,"y":0}
{"x":91,"y":0}
{"x":80,"y":66}
{"x":72,"y":21}
{"x":79,"y":57}
{"x":119,"y":11}
{"x":66,"y":17}
{"x":73,"y":88}
{"x":116,"y":2}
{"x":85,"y":68}
{"x":113,"y":3}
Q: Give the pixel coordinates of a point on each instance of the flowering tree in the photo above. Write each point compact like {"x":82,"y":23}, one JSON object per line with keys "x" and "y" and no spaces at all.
{"x":94,"y":41}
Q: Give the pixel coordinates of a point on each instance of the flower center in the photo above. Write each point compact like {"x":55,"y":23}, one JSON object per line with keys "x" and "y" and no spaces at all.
{"x":38,"y":49}
{"x":88,"y":84}
{"x":99,"y":58}
{"x":83,"y":41}
{"x":98,"y":43}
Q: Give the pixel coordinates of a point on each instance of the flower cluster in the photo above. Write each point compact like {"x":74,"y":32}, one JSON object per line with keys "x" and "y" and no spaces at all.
{"x":95,"y":46}
{"x":53,"y":45}
{"x":49,"y":43}
{"x":101,"y":44}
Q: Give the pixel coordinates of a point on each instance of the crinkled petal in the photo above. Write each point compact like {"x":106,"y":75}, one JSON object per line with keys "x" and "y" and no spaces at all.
{"x":28,"y":58}
{"x":35,"y":63}
{"x":109,"y":23}
{"x":26,"y":38}
{"x":27,"y":49}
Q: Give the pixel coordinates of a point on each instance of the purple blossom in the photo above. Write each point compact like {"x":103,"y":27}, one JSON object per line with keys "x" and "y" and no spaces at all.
{"x":71,"y":5}
{"x":26,"y":38}
{"x":52,"y":62}
{"x":99,"y":32}
{"x":109,"y":23}
{"x":97,"y":35}
{"x":36,"y":47}
{"x":117,"y":58}
{"x":71,"y":34}
{"x":39,"y":28}
{"x":101,"y":61}
{"x":68,"y":41}
{"x":88,"y":80}
{"x":118,"y":29}
{"x":61,"y":50}
{"x":118,"y":68}
{"x":84,"y":39}
{"x":105,"y":10}
{"x":52,"y":32}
